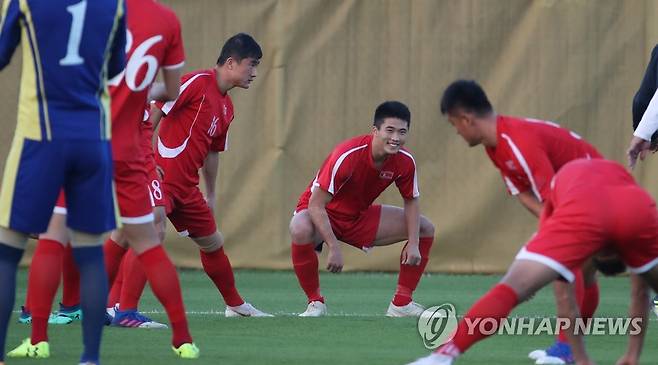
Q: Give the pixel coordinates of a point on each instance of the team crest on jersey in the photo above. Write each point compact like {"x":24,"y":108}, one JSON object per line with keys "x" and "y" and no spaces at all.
{"x":388,"y":175}
{"x":510,"y":165}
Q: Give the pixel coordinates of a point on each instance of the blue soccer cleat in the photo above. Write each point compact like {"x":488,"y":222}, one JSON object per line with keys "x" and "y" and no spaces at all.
{"x":558,"y":354}
{"x":134,"y":319}
{"x":25,"y":317}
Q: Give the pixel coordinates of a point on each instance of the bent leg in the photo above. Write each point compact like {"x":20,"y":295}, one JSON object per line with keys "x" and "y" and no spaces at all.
{"x":523,"y":279}
{"x":218,"y":267}
{"x":162,"y":277}
{"x":304,"y":258}
{"x":393,"y":228}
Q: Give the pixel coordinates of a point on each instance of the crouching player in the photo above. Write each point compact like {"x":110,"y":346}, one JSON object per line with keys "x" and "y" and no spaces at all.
{"x":594,"y":205}
{"x":337,"y":205}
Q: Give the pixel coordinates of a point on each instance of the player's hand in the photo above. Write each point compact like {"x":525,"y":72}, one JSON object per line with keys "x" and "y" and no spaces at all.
{"x":638,"y":148}
{"x":410,"y":255}
{"x":628,"y":360}
{"x":335,"y":261}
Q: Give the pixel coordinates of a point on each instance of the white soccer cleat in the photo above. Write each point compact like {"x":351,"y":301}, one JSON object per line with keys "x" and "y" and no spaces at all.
{"x":412,"y":309}
{"x":536,"y":355}
{"x":550,"y":360}
{"x":434,"y":359}
{"x":245,"y":310}
{"x":315,"y":309}
{"x":112,"y":311}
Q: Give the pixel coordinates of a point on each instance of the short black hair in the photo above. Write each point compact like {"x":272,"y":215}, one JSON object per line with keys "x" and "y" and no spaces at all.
{"x":391,"y":109}
{"x":609,"y":266}
{"x":240,"y":46}
{"x":467,"y":95}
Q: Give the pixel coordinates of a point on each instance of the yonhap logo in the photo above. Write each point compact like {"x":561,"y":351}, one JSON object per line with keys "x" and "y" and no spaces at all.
{"x":437,"y":325}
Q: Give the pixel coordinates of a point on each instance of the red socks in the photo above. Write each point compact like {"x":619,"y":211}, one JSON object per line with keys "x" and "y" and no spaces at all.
{"x":71,"y":279}
{"x":113,"y":254}
{"x":219,"y":270}
{"x":134,"y":282}
{"x":305,"y":262}
{"x":45,"y":272}
{"x":163,"y":278}
{"x":497,"y":303}
{"x":115,"y":292}
{"x":410,"y":275}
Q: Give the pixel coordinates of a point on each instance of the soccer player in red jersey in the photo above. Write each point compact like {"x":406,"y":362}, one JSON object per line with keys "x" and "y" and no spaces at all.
{"x":528,"y":153}
{"x":151,"y":45}
{"x":593,"y":207}
{"x":130,"y":281}
{"x":338,"y":205}
{"x":193,"y":130}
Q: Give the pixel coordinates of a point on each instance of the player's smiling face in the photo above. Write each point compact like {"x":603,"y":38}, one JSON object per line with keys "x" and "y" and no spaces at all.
{"x":244,"y":72}
{"x":464,"y":123}
{"x":390,"y":136}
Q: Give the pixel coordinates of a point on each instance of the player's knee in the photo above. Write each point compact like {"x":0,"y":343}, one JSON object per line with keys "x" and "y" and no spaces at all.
{"x":210,"y":243}
{"x":301,"y":232}
{"x":13,"y":238}
{"x":426,"y":227}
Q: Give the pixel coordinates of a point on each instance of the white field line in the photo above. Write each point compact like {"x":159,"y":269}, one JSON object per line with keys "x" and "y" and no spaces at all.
{"x":220,"y":313}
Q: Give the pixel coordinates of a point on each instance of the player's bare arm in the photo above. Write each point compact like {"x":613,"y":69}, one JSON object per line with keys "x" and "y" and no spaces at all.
{"x":167,"y":90}
{"x":210,"y":171}
{"x":637,"y":309}
{"x":155,"y":116}
{"x":530,"y":202}
{"x":567,"y":307}
{"x":318,"y":212}
{"x":411,"y":253}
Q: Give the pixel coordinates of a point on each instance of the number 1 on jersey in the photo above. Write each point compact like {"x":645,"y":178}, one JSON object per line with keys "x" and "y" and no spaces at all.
{"x":72,"y":57}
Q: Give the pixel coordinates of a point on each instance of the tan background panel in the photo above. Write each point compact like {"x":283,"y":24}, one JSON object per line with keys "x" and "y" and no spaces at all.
{"x":328,"y":64}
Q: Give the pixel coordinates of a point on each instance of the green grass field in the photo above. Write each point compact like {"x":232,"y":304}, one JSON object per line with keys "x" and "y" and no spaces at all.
{"x":356,"y":332}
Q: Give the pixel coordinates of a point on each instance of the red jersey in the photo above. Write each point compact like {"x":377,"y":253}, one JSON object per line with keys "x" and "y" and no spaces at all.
{"x":349,"y":174}
{"x":196,"y":123}
{"x":146,"y":138}
{"x":153,"y":41}
{"x":529,"y":152}
{"x":583,"y":180}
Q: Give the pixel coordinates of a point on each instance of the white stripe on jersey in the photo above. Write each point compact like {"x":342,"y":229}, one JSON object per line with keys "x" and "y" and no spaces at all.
{"x":167,"y":152}
{"x":166,"y":108}
{"x":416,"y":192}
{"x":510,"y":185}
{"x":338,"y":163}
{"x":524,"y":165}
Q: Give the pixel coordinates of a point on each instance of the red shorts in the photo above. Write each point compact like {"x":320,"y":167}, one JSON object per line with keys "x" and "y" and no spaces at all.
{"x":156,"y":189}
{"x":624,"y":220}
{"x":189,"y":213}
{"x":134,"y":199}
{"x":359,"y":232}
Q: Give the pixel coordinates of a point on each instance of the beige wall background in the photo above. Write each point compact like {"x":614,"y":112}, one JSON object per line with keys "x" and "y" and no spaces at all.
{"x":327,"y":64}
